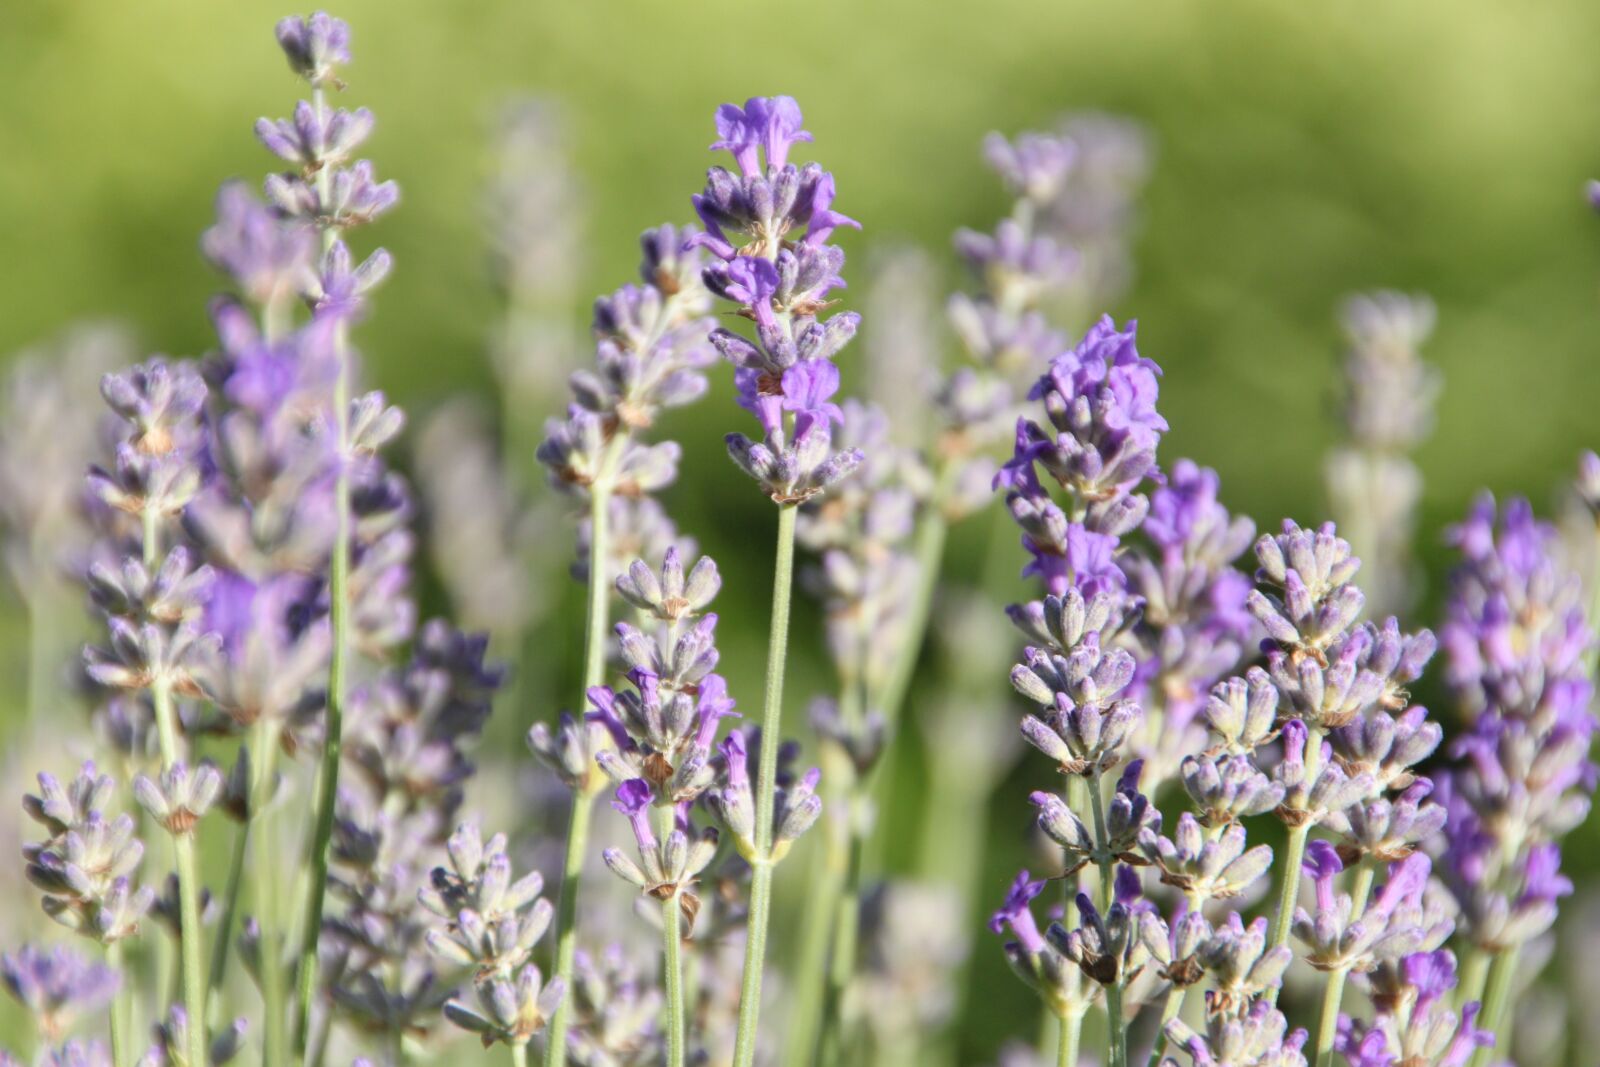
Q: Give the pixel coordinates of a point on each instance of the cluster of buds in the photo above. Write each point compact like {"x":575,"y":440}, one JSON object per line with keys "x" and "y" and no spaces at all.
{"x":406,"y":762}
{"x":152,"y":600}
{"x":491,"y":924}
{"x":786,"y":376}
{"x":1416,"y":1021}
{"x":86,"y":864}
{"x":650,"y":351}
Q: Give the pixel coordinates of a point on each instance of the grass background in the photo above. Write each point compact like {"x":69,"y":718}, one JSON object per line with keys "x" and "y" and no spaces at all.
{"x":1303,"y":151}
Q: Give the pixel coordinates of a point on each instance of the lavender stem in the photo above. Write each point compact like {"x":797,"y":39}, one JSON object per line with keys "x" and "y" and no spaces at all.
{"x":338,"y":664}
{"x":1116,"y":1027}
{"x":268,"y":908}
{"x":1294,"y":852}
{"x":1067,"y":1041}
{"x":672,"y":943}
{"x":121,"y":1009}
{"x":1502,"y":972}
{"x":594,"y":664}
{"x":1474,"y":974}
{"x":194,"y":978}
{"x":1170,"y":1010}
{"x":1333,"y":993}
{"x":230,"y":911}
{"x":766,"y":786}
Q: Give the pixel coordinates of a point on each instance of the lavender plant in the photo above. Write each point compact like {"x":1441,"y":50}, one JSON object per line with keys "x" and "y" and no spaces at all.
{"x":248,"y":559}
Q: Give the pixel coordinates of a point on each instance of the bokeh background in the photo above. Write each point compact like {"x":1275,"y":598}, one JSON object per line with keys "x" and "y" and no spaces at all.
{"x":1301,"y":152}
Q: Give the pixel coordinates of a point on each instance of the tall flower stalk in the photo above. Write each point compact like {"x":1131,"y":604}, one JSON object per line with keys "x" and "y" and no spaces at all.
{"x":331,"y":193}
{"x":651,"y":346}
{"x":786,"y":378}
{"x":1518,"y":643}
{"x":152,"y":600}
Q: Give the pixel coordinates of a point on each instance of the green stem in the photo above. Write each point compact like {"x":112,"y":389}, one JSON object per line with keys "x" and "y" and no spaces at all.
{"x":333,"y":733}
{"x":191,"y":936}
{"x":1169,"y":1011}
{"x":671,"y":944}
{"x":847,"y":923}
{"x":1502,"y":975}
{"x":555,"y":1054}
{"x":193,"y":948}
{"x":1289,"y":891}
{"x":1116,"y":1026}
{"x":339,"y":660}
{"x":121,"y":1009}
{"x":1474,"y":975}
{"x":594,"y":666}
{"x":1333,"y":993}
{"x":816,"y":935}
{"x":932,"y":533}
{"x":230,"y":911}
{"x":755,"y":951}
{"x":1294,"y":852}
{"x":519,"y":1055}
{"x":1067,"y":1042}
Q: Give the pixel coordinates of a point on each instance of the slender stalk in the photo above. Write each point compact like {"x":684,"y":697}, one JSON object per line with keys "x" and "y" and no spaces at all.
{"x":121,"y":1010}
{"x":755,"y":951}
{"x":1289,"y":891}
{"x":192,"y":936}
{"x":932,"y":532}
{"x":847,"y":923}
{"x":1169,"y":1011}
{"x":230,"y":909}
{"x":193,"y":947}
{"x":269,"y":908}
{"x":1294,"y":853}
{"x":191,"y":939}
{"x":1474,"y":975}
{"x":594,"y":664}
{"x":1116,"y":1026}
{"x":672,"y":944}
{"x":333,"y":733}
{"x":816,"y":936}
{"x":519,"y":1055}
{"x":1502,"y":975}
{"x":1067,"y":1041}
{"x":339,"y":660}
{"x":1333,"y":993}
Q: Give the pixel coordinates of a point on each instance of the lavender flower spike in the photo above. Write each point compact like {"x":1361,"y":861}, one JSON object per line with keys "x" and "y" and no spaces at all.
{"x":767,"y":229}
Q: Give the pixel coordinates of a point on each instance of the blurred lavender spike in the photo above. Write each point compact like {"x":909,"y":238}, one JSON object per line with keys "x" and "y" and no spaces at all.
{"x":1389,"y":393}
{"x":47,"y":438}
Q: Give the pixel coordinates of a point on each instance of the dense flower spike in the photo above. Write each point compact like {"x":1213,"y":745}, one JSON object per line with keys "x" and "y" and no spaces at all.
{"x":86,"y":864}
{"x":785,"y":376}
{"x":1389,"y":395}
{"x":1517,"y":641}
{"x":57,"y":987}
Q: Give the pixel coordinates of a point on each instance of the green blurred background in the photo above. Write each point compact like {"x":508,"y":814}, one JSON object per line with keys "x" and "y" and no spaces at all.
{"x":1302,"y":151}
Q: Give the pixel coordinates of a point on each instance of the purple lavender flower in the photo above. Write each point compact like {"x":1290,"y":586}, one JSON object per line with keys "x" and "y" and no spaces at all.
{"x":57,"y":987}
{"x":85,"y":867}
{"x":785,"y":376}
{"x":1426,"y":1030}
{"x":1516,"y":638}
